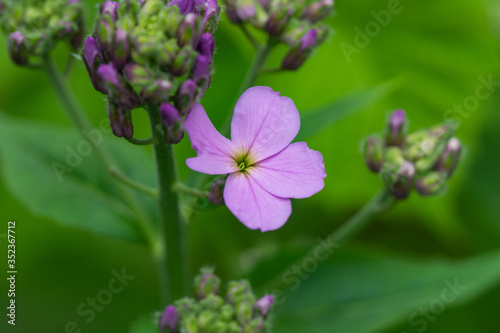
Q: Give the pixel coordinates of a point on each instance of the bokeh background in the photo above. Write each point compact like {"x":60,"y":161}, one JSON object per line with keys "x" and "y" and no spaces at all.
{"x":432,"y":55}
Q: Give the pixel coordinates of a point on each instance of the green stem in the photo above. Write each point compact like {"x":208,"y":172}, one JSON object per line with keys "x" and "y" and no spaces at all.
{"x":172,"y":260}
{"x":191,"y":191}
{"x":141,"y":142}
{"x":249,"y":36}
{"x":132,"y":183}
{"x":381,"y":202}
{"x":250,"y":78}
{"x":78,"y":117}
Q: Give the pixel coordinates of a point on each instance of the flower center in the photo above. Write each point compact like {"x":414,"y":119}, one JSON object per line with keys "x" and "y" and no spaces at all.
{"x":243,"y":162}
{"x":242,"y":166}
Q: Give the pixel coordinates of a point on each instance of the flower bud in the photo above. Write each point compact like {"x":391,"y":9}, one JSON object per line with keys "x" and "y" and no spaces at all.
{"x":185,"y":6}
{"x":450,"y":157}
{"x":169,"y":319}
{"x":110,"y":8}
{"x":138,"y":75}
{"x":105,"y":32}
{"x":216,"y":193}
{"x":257,"y":325}
{"x":184,"y":61}
{"x":120,"y":119}
{"x":244,"y":310}
{"x":206,"y":284}
{"x":201,"y":72}
{"x":431,"y":184}
{"x":188,"y":30}
{"x":172,"y":122}
{"x":121,"y":49}
{"x":210,"y":16}
{"x":237,"y":291}
{"x":122,"y":93}
{"x":204,"y":320}
{"x":18,"y":48}
{"x":277,"y":21}
{"x":318,"y":10}
{"x":92,"y":58}
{"x":157,"y":92}
{"x":299,"y":54}
{"x":186,"y":98}
{"x":373,"y":152}
{"x":396,"y":129}
{"x":398,"y":173}
{"x":245,"y":9}
{"x":206,"y":46}
{"x":264,"y":305}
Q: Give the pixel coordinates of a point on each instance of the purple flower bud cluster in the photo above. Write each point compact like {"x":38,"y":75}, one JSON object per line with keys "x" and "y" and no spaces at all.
{"x":34,"y":27}
{"x":423,"y":160}
{"x":152,"y":52}
{"x":240,"y":311}
{"x":295,"y":23}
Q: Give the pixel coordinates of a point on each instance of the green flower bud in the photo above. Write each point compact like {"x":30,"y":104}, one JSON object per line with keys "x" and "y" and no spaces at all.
{"x":431,"y":184}
{"x":206,"y":284}
{"x":373,"y":153}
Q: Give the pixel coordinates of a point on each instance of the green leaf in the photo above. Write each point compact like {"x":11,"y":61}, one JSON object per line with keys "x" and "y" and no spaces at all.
{"x":146,"y":324}
{"x":357,"y":292}
{"x":55,"y":173}
{"x":321,"y":118}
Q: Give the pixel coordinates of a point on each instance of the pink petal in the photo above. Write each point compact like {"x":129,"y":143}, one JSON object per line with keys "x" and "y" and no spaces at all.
{"x":214,"y":150}
{"x":295,"y":172}
{"x":253,"y":206}
{"x":264,"y":122}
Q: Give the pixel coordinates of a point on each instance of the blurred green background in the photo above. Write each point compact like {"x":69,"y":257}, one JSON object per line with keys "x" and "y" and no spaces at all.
{"x":435,"y":52}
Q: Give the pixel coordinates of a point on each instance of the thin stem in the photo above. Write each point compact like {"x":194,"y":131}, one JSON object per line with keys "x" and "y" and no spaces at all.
{"x":172,"y":259}
{"x":250,"y":78}
{"x":78,"y":117}
{"x":132,"y":183}
{"x":381,"y":202}
{"x":191,"y":191}
{"x":271,"y":70}
{"x":249,"y":36}
{"x":141,"y":142}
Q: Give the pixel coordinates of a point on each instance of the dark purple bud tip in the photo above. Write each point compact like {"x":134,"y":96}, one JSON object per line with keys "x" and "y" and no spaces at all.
{"x":216,"y":194}
{"x":206,"y":46}
{"x":431,"y":184}
{"x":264,"y":305}
{"x":172,"y":123}
{"x":397,"y":129}
{"x":93,"y":59}
{"x":169,"y":318}
{"x":201,"y":72}
{"x":450,"y":157}
{"x":18,"y":48}
{"x":121,"y":49}
{"x":277,"y":21}
{"x":373,"y":153}
{"x":110,"y":8}
{"x":299,"y":54}
{"x":185,"y":6}
{"x":186,"y":97}
{"x":120,"y":119}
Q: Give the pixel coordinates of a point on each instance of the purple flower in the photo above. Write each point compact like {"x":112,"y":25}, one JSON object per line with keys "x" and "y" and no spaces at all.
{"x":264,"y":305}
{"x":264,"y":168}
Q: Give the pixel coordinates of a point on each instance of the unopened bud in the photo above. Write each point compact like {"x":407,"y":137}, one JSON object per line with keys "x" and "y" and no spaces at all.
{"x":138,"y":75}
{"x":185,"y":6}
{"x":157,"y":92}
{"x":450,"y":157}
{"x":245,"y":9}
{"x":121,"y":49}
{"x":396,"y":129}
{"x":210,"y":16}
{"x":92,"y":58}
{"x":257,"y":325}
{"x":299,"y":54}
{"x":264,"y":305}
{"x":216,"y":194}
{"x":172,"y":122}
{"x":184,"y":61}
{"x":431,"y":184}
{"x":105,"y":32}
{"x":318,"y":10}
{"x":206,"y":284}
{"x":201,"y":72}
{"x":186,"y":97}
{"x":110,"y":8}
{"x":237,"y":291}
{"x":398,"y":173}
{"x":120,"y":119}
{"x":277,"y":21}
{"x":206,"y":46}
{"x":169,"y":319}
{"x":18,"y":48}
{"x":119,"y":90}
{"x":188,"y":30}
{"x":373,"y":153}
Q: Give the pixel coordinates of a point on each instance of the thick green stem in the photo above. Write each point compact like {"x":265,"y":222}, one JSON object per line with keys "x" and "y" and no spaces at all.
{"x":78,"y":117}
{"x":172,"y":259}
